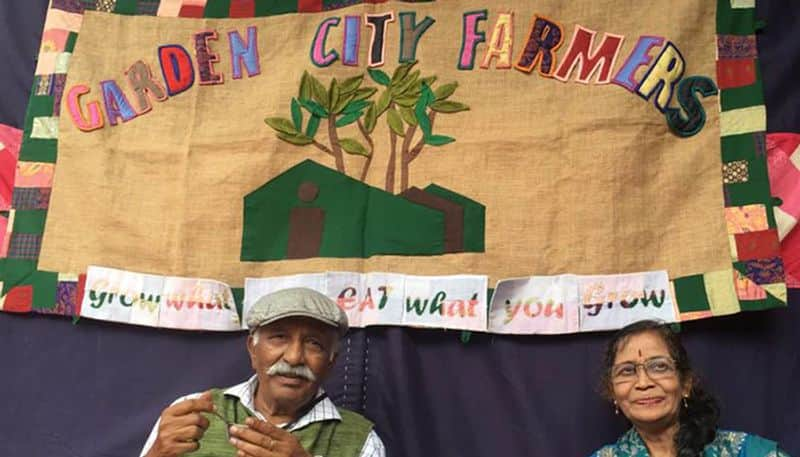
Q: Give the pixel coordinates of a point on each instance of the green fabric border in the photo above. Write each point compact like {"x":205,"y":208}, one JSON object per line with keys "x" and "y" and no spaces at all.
{"x":19,"y":272}
{"x":742,"y":22}
{"x":39,"y":105}
{"x":16,"y":271}
{"x":275,"y":7}
{"x":691,"y":294}
{"x":72,"y":38}
{"x":29,"y":221}
{"x":45,"y":285}
{"x":755,"y":190}
{"x":739,"y":147}
{"x":735,"y":21}
{"x":127,"y":7}
{"x":37,"y":149}
{"x":217,"y":8}
{"x":690,"y":291}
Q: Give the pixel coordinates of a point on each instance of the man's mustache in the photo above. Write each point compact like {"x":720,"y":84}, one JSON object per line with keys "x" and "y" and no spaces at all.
{"x":282,"y":368}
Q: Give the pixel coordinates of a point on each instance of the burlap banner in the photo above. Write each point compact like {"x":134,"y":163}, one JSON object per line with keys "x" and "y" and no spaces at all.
{"x":557,"y":143}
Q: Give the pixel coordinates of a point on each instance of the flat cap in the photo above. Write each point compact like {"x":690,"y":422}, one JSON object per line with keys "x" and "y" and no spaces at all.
{"x":297,"y":301}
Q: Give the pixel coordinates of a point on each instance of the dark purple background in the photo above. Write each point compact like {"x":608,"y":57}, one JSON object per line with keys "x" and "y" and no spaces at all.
{"x":94,"y":389}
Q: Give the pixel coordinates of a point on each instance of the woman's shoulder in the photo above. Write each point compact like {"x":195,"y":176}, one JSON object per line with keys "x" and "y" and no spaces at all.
{"x":605,"y":451}
{"x":726,"y":443}
{"x":629,"y":444}
{"x":733,"y":443}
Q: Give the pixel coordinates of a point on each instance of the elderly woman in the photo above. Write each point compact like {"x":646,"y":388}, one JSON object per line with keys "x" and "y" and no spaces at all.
{"x":648,"y":378}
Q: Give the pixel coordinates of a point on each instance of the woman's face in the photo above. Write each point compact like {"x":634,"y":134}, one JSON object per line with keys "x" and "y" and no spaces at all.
{"x":644,"y":382}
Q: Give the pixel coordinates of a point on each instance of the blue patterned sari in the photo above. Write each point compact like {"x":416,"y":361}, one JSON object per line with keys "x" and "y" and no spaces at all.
{"x":726,"y":444}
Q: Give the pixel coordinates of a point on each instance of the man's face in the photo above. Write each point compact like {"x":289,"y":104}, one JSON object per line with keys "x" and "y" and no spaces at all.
{"x":295,"y":342}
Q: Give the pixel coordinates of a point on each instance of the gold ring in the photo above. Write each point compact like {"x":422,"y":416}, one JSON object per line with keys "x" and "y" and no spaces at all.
{"x":271,"y":442}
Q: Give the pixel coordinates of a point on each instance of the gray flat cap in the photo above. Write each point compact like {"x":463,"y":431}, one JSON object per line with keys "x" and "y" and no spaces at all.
{"x":298,"y":301}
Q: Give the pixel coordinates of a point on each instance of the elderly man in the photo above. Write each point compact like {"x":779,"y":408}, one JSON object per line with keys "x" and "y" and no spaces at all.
{"x":281,"y":411}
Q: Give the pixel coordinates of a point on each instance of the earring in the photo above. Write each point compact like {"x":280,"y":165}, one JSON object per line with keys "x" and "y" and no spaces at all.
{"x":616,"y":408}
{"x":686,"y":401}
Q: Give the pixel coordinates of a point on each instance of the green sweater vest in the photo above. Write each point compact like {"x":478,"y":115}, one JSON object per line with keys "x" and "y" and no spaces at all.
{"x":328,"y":438}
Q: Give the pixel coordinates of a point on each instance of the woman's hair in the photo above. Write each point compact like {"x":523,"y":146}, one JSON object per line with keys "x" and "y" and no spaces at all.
{"x":698,"y":420}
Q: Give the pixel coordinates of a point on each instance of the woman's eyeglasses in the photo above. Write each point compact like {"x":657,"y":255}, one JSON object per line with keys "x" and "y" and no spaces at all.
{"x":655,"y":367}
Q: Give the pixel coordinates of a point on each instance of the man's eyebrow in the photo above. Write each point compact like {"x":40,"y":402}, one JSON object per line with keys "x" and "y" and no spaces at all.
{"x":315,"y":334}
{"x":275,"y":328}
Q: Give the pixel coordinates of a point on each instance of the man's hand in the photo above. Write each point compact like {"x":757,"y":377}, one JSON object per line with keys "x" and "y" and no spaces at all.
{"x":262,"y":439}
{"x":181,"y":426}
